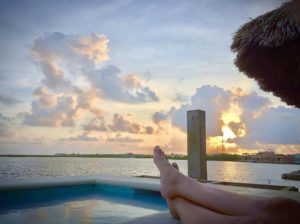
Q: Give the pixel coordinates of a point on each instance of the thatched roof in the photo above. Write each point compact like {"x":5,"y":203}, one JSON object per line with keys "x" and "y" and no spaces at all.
{"x":268,"y":50}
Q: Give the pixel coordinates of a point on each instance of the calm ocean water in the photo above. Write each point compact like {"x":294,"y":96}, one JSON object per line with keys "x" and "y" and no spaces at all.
{"x":33,"y":167}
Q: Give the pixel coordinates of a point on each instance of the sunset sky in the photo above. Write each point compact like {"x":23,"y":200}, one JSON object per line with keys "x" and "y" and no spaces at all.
{"x":119,"y":76}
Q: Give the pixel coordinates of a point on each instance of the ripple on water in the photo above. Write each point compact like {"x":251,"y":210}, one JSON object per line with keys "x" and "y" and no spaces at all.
{"x":24,"y":167}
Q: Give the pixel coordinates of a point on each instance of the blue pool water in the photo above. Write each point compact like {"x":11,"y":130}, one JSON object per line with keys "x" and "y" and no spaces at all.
{"x":93,"y":203}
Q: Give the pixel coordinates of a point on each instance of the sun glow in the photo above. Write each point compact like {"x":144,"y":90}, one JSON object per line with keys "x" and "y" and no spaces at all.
{"x":215,"y":143}
{"x":231,"y":128}
{"x":227,"y":133}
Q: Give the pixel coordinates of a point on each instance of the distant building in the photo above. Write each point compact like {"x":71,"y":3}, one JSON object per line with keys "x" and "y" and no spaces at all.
{"x":297,"y":158}
{"x":270,"y":157}
{"x":266,"y":157}
{"x":280,"y":158}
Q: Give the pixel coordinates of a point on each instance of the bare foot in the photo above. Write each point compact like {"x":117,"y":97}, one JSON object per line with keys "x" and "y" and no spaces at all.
{"x":168,"y":174}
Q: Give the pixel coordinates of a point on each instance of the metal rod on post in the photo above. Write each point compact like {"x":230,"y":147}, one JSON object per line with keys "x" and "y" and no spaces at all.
{"x":196,"y":143}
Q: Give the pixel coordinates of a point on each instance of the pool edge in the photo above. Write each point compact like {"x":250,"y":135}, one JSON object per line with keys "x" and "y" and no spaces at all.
{"x":133,"y":182}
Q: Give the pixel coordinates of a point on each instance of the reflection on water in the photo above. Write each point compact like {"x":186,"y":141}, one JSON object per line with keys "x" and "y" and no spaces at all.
{"x":11,"y":168}
{"x":78,"y":204}
{"x":86,"y":211}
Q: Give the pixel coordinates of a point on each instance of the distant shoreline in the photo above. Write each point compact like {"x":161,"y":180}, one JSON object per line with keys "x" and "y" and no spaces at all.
{"x":209,"y":157}
{"x":218,"y":157}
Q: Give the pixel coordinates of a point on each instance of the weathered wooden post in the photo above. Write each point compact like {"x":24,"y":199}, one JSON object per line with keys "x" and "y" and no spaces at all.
{"x":196,"y":143}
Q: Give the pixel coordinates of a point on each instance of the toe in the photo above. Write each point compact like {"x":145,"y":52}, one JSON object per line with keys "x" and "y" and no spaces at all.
{"x":158,"y":150}
{"x":175,"y":165}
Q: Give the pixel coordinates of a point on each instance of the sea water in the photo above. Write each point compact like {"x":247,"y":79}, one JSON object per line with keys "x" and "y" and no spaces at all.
{"x":34,"y":167}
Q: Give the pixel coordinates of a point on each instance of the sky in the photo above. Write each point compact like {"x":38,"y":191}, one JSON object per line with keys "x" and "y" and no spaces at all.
{"x":119,"y":76}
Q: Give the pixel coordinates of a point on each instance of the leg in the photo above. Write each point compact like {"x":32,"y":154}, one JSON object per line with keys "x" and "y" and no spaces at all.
{"x":190,"y":213}
{"x":174,"y":184}
{"x":169,"y":202}
{"x":281,"y":210}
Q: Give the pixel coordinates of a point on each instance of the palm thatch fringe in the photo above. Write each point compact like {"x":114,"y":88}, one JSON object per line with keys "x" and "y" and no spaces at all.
{"x":268,"y":50}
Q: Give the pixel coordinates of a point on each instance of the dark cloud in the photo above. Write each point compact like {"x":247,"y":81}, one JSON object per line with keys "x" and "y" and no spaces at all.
{"x":95,"y":125}
{"x":121,"y":124}
{"x":124,"y":123}
{"x":9,"y":99}
{"x":279,"y":125}
{"x":159,"y":117}
{"x":238,"y":128}
{"x":149,"y":130}
{"x":253,"y":104}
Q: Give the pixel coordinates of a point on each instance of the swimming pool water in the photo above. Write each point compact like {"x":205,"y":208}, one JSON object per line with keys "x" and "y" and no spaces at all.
{"x":92,"y":203}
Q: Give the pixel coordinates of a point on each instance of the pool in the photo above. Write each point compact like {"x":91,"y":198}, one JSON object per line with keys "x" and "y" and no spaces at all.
{"x":68,"y":201}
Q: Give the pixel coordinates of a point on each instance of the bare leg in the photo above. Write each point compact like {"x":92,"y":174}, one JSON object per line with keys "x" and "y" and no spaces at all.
{"x":190,"y":213}
{"x":173,"y":211}
{"x":174,"y":184}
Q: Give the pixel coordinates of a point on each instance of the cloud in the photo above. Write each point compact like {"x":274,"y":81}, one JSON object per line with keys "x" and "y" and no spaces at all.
{"x":253,"y":105}
{"x":126,"y":89}
{"x":45,"y":98}
{"x":88,"y":100}
{"x":121,"y":124}
{"x":21,"y":140}
{"x":125,"y":139}
{"x":81,"y":138}
{"x":238,"y":128}
{"x":180,"y":98}
{"x":56,"y":48}
{"x":160,"y":117}
{"x":9,"y":100}
{"x":276,"y":125}
{"x":149,"y":130}
{"x":60,"y":110}
{"x":213,"y":100}
{"x":61,"y":113}
{"x":4,"y":119}
{"x":132,"y":81}
{"x":9,"y":135}
{"x":247,"y":121}
{"x":94,"y":47}
{"x":66,"y":61}
{"x":95,"y":125}
{"x":6,"y":127}
{"x":67,"y":58}
{"x":124,"y":123}
{"x":6,"y":133}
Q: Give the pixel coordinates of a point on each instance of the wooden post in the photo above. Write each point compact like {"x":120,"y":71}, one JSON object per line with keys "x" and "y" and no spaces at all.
{"x":196,"y":143}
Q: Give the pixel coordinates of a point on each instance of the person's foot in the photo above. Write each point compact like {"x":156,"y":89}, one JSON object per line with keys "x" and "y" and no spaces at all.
{"x":168,"y":174}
